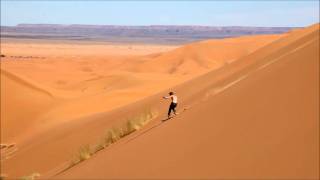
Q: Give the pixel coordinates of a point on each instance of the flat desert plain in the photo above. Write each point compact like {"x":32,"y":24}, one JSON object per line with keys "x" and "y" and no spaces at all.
{"x":248,"y":108}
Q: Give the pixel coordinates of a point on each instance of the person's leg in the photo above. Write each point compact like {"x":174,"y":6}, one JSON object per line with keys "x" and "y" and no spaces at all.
{"x":174,"y":109}
{"x":170,"y":109}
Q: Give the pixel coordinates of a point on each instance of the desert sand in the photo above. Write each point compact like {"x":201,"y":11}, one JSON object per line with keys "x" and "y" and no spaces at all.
{"x":248,"y":108}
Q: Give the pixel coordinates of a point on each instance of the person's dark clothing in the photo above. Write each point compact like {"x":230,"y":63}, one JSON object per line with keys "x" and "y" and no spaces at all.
{"x":172,"y":107}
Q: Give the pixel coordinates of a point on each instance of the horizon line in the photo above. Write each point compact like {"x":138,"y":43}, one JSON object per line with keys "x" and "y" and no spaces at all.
{"x":150,"y":25}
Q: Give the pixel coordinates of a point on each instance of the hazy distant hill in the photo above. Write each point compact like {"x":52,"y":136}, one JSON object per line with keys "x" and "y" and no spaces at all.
{"x":139,"y":34}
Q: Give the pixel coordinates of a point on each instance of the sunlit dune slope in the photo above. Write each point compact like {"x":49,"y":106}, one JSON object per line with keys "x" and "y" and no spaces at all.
{"x":205,"y":55}
{"x":256,"y":118}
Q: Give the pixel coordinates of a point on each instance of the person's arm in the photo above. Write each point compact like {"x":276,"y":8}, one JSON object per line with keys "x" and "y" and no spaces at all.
{"x":166,"y":97}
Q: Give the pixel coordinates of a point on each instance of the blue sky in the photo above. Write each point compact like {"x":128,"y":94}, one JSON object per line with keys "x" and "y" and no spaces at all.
{"x":212,"y":13}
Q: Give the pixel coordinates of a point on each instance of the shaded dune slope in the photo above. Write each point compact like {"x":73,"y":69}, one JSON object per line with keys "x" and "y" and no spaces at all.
{"x":257,"y":118}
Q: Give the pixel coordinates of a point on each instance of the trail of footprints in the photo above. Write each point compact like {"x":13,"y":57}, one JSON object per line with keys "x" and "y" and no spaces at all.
{"x":7,"y":150}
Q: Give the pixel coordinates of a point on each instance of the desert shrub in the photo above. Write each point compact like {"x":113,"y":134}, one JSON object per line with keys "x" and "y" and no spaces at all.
{"x":114,"y":135}
{"x":99,"y":147}
{"x":83,"y":154}
{"x":130,"y":127}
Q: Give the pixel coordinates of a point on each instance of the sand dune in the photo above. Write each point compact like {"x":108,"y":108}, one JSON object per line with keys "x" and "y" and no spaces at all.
{"x":99,"y":75}
{"x":94,"y":93}
{"x":203,"y":56}
{"x":71,"y":76}
{"x":264,"y":125}
{"x":17,"y":96}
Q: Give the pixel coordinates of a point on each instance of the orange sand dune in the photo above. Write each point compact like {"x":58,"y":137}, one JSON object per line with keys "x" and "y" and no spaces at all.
{"x":93,"y":93}
{"x":205,"y":55}
{"x":73,"y":75}
{"x":64,"y":66}
{"x":96,"y":74}
{"x":17,"y":96}
{"x":256,"y":118}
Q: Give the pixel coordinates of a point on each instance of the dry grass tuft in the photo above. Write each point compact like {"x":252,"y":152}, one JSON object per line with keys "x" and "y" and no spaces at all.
{"x":33,"y":176}
{"x":113,"y":135}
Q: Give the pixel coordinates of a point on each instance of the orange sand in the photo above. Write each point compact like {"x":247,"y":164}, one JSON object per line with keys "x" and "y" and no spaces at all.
{"x":68,"y":95}
{"x":257,"y":118}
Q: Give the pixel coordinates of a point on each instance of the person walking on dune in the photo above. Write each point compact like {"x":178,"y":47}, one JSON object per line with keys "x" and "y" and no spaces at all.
{"x":173,"y":104}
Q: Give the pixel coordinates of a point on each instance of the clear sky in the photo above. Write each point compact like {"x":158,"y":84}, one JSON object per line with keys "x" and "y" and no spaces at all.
{"x":213,"y":13}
